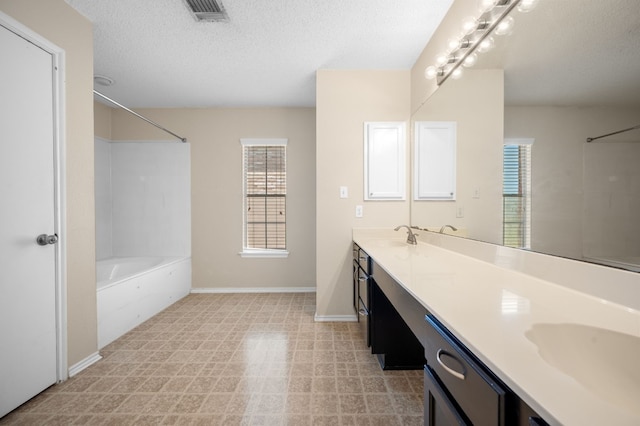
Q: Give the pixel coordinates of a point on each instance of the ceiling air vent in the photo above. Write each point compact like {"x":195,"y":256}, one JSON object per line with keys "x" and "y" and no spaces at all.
{"x":207,"y":10}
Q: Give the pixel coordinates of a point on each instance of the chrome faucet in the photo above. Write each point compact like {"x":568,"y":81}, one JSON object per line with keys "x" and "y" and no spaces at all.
{"x":453,"y":228}
{"x":411,"y":237}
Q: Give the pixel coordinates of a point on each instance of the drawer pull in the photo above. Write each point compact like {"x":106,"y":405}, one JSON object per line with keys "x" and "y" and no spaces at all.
{"x":363,"y":313}
{"x":451,"y":371}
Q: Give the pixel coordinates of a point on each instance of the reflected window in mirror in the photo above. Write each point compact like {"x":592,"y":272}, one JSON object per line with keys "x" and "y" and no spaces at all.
{"x":516,"y":193}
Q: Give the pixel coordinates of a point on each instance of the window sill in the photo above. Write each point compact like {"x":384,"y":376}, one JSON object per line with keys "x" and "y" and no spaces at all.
{"x":264,"y":253}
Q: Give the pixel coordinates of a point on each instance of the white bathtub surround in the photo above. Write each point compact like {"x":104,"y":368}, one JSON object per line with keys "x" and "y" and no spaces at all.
{"x":143,"y":231}
{"x":104,"y":228}
{"x":151,"y":191}
{"x":135,"y":289}
{"x":564,"y":335}
{"x":143,"y":199}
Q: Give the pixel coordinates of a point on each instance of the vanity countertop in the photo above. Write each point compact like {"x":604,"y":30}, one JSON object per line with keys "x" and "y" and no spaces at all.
{"x":573,"y":357}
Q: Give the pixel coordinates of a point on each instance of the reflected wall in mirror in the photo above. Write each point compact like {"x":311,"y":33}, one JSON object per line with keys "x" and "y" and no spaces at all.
{"x":571,"y":71}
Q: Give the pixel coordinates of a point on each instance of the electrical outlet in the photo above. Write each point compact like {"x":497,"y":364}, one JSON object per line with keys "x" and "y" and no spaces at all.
{"x":476,"y":192}
{"x":459,"y":211}
{"x":358,"y":211}
{"x":344,"y":192}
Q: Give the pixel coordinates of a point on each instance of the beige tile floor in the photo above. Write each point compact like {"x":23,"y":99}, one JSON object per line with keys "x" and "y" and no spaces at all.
{"x":233,"y":359}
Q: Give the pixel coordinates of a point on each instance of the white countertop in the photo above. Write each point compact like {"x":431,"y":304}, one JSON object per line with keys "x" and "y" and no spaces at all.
{"x":573,"y":357}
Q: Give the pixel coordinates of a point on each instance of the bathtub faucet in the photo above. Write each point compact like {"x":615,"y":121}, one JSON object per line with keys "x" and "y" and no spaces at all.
{"x":411,"y":237}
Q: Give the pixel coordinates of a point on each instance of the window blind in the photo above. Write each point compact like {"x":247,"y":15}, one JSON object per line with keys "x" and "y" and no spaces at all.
{"x":517,"y":196}
{"x":265,"y":194}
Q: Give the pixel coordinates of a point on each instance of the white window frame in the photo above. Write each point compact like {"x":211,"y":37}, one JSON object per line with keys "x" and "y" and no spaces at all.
{"x":256,"y":252}
{"x":526,"y":194}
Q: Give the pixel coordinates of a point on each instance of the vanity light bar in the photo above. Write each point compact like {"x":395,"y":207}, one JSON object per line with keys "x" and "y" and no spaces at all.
{"x":476,"y":32}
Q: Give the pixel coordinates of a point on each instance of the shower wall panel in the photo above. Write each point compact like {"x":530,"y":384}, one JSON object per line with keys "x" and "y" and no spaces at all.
{"x":151,"y":193}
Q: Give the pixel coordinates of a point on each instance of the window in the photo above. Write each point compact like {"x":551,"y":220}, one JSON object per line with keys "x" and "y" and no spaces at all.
{"x":516,"y":222}
{"x":265,"y":196}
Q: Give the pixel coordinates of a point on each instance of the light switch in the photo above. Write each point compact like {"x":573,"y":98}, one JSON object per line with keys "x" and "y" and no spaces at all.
{"x":476,"y":192}
{"x":344,"y":192}
{"x":358,"y":211}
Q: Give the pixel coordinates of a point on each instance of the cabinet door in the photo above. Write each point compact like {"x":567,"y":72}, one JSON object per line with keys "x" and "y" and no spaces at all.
{"x":435,"y":160}
{"x":438,"y":408}
{"x":384,"y":161}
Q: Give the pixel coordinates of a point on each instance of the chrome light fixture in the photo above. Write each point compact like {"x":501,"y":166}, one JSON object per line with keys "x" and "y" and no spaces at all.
{"x":476,"y":37}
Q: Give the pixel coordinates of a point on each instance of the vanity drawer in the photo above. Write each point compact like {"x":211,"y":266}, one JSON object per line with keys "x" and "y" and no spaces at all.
{"x":363,"y":286}
{"x":471,"y":386}
{"x":363,"y":322}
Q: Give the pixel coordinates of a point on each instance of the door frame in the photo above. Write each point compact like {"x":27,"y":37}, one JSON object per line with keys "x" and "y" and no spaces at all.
{"x":59,"y":170}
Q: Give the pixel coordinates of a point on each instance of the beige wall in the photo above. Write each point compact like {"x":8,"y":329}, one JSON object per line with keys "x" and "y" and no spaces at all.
{"x":345,"y":100}
{"x":73,"y":33}
{"x":102,"y":120}
{"x":216,"y":189}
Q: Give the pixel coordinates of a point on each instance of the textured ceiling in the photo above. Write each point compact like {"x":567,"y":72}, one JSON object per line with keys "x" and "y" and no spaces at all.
{"x":266,"y":55}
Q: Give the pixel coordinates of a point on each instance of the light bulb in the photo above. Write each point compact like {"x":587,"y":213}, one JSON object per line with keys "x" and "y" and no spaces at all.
{"x":441,"y":59}
{"x":431,"y":72}
{"x":527,"y":5}
{"x":505,"y":26}
{"x":453,"y":44}
{"x":469,"y":25}
{"x":486,"y":45}
{"x":457,"y":73}
{"x":487,"y":5}
{"x":470,"y":60}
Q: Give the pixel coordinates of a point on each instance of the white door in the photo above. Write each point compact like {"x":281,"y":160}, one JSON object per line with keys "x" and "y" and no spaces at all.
{"x":28,"y":353}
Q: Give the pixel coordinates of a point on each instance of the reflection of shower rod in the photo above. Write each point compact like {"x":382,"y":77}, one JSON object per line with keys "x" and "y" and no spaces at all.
{"x":153,"y":123}
{"x":614,"y":133}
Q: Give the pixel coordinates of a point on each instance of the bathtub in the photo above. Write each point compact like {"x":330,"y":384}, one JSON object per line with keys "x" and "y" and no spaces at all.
{"x":130,"y":290}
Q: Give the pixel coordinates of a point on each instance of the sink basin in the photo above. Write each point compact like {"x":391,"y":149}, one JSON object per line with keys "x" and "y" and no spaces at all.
{"x":605,"y":362}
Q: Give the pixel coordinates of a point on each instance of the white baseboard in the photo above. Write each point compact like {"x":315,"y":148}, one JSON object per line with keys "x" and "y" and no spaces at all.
{"x":85,"y":363}
{"x":335,"y":318}
{"x":218,"y":290}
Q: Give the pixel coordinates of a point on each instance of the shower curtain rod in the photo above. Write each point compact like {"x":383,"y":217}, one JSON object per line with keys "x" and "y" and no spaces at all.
{"x":614,"y":133}
{"x":183,"y":140}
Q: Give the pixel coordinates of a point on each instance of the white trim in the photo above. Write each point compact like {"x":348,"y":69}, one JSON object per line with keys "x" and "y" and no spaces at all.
{"x":335,"y":318}
{"x":85,"y":363}
{"x":264,"y":141}
{"x":225,"y":290}
{"x":60,"y":202}
{"x":258,"y":253}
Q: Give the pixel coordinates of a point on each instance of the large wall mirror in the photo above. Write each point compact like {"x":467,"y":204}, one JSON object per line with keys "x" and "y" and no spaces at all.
{"x":569,"y":71}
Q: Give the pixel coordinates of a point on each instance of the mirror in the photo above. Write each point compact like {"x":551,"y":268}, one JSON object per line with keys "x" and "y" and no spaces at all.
{"x":569,"y":71}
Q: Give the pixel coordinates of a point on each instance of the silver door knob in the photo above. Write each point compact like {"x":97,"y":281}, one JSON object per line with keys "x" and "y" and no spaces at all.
{"x":44,"y":239}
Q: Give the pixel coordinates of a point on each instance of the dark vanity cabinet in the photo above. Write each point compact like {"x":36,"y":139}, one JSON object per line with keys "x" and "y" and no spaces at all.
{"x":458,"y":388}
{"x":457,"y":384}
{"x":386,"y":333}
{"x":397,"y":320}
{"x":361,"y":287}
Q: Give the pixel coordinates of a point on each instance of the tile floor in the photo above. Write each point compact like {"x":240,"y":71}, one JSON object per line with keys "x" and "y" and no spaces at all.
{"x":233,"y":359}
